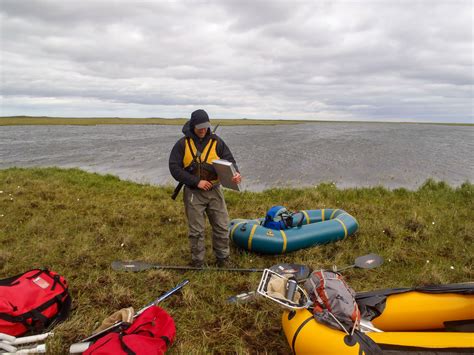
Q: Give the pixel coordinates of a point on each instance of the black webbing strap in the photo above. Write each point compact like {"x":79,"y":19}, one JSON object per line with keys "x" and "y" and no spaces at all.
{"x":366,"y":345}
{"x":188,"y":141}
{"x":138,"y":330}
{"x":38,"y":320}
{"x":12,"y":319}
{"x":300,"y":223}
{"x":12,"y":281}
{"x":124,"y":346}
{"x":166,"y":340}
{"x":209,"y":150}
{"x":35,"y":314}
{"x":293,"y":342}
{"x":41,"y":271}
{"x":56,"y":278}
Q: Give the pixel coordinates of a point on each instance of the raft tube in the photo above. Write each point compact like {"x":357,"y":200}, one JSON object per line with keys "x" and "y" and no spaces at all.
{"x":412,"y":321}
{"x":310,"y":227}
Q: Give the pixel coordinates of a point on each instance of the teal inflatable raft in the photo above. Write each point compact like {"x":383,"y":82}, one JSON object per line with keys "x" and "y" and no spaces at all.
{"x":310,"y":227}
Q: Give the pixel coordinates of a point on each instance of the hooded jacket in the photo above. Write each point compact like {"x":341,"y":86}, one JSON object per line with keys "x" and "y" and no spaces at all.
{"x":176,"y":165}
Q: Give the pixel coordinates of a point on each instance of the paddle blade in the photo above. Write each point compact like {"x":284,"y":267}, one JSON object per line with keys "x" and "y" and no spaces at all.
{"x":369,"y":261}
{"x":131,"y":265}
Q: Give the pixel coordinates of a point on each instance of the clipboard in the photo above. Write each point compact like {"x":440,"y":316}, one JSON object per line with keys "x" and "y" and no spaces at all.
{"x":225,"y":171}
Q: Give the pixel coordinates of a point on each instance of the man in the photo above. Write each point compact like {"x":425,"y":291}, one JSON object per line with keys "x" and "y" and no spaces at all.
{"x":190,"y":163}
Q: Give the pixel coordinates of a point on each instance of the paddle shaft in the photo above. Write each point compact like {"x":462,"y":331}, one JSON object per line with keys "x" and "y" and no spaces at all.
{"x":154,"y":303}
{"x":130,"y":266}
{"x":364,"y":262}
{"x":369,"y":261}
{"x":194,"y":268}
{"x":344,"y":268}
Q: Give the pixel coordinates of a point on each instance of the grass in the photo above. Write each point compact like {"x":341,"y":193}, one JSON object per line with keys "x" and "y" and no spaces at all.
{"x":77,"y":223}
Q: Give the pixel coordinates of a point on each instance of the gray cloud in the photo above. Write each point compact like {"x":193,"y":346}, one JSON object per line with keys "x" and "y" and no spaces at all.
{"x":361,"y":60}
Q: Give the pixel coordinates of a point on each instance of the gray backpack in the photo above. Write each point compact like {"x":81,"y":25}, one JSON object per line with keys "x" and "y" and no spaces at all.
{"x":333,"y":300}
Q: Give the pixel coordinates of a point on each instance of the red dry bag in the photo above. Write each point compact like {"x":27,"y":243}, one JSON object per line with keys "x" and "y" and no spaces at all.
{"x":151,"y":333}
{"x":32,"y":302}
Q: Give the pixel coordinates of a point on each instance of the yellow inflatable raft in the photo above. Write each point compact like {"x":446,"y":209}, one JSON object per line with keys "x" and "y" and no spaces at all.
{"x":434,"y":319}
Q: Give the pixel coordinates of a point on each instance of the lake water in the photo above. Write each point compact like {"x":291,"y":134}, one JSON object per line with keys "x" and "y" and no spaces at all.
{"x":348,"y":154}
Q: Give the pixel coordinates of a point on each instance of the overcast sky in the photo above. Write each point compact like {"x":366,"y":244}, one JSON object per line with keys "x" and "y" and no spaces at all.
{"x":325,"y":60}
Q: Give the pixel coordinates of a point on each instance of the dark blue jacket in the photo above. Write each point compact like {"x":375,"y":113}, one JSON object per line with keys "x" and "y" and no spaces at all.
{"x":177,"y":154}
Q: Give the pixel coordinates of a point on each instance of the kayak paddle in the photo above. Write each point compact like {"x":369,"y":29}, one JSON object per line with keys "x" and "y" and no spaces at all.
{"x":138,"y":265}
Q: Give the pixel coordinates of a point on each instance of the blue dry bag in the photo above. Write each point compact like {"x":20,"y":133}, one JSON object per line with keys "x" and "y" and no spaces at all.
{"x":278,"y":217}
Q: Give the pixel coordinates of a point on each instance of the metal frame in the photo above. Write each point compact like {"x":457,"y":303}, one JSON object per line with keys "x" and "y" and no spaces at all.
{"x":262,"y":290}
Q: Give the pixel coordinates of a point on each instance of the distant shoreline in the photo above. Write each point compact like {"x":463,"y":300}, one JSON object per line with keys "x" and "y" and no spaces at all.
{"x":93,"y":121}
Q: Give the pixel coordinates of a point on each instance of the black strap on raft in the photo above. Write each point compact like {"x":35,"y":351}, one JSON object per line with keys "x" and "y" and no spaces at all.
{"x":415,"y":350}
{"x":300,"y":222}
{"x":287,"y":219}
{"x":372,"y":303}
{"x":302,"y":325}
{"x":366,"y":345}
{"x":465,"y":325}
{"x":290,"y":219}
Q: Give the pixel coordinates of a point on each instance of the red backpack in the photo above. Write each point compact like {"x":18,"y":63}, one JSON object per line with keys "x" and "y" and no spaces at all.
{"x":32,"y":302}
{"x":152,"y":332}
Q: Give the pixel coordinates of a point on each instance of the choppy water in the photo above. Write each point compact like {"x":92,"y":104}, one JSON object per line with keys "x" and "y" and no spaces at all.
{"x":349,"y":154}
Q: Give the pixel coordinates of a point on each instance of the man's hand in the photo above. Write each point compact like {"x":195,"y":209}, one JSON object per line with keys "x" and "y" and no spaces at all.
{"x":237,"y":178}
{"x":204,"y":185}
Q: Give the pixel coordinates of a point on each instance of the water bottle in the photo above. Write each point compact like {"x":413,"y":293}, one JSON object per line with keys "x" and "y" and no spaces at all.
{"x":290,"y":289}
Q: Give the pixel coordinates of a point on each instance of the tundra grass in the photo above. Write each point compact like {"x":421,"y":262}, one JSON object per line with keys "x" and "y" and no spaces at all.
{"x":77,"y":223}
{"x":93,"y":121}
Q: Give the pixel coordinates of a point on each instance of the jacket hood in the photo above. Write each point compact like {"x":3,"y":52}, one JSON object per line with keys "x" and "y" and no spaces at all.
{"x":188,"y":131}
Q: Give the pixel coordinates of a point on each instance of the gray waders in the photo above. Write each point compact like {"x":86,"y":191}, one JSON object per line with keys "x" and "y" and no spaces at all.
{"x":197,"y":204}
